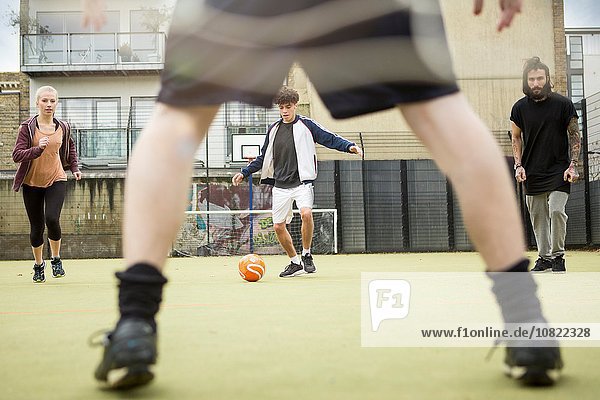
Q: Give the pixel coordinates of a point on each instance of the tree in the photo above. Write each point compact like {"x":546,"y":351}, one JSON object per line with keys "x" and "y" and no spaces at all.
{"x":155,"y":19}
{"x":27,"y":25}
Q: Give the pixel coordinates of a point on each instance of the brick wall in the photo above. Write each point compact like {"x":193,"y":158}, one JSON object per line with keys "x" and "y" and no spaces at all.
{"x":14,"y":108}
{"x":560,"y":48}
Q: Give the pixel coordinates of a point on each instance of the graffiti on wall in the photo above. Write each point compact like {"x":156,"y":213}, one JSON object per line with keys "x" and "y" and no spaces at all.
{"x":226,"y":233}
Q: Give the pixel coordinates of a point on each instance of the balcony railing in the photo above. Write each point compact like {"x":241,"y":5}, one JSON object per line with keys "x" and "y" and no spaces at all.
{"x":107,"y":148}
{"x":88,"y":52}
{"x":101,"y":147}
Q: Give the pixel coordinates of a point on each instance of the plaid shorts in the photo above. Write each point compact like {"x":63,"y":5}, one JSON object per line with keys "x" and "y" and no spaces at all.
{"x":361,"y":56}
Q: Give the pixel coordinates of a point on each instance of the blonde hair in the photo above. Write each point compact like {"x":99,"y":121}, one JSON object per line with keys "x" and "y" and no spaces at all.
{"x":43,"y":89}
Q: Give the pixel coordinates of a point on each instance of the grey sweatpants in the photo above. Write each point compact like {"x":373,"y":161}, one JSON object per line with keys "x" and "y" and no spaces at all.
{"x":549,"y":220}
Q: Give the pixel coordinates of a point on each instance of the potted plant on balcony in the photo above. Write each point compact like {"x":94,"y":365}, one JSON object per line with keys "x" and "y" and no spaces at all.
{"x":155,"y":20}
{"x":125,"y":52}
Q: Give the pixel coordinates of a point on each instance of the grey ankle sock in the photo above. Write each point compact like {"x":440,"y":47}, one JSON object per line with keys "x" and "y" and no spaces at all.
{"x":516,"y":294}
{"x":518,"y":301}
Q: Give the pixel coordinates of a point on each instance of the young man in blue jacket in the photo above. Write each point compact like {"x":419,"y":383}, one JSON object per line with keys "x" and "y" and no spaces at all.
{"x":288,"y":161}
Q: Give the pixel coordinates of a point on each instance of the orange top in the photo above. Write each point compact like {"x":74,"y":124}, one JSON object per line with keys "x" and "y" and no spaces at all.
{"x":47,"y":168}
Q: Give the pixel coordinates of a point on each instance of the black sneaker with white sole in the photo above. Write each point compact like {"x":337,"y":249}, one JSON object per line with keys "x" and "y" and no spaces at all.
{"x":129,"y":351}
{"x":57,"y":268}
{"x":542,"y":265}
{"x":533,"y":366}
{"x":291,"y":270}
{"x":38,"y":273}
{"x":558,"y":265}
{"x":309,"y":265}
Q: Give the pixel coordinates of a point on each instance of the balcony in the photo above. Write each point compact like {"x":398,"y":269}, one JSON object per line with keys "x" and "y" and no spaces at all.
{"x":104,"y":148}
{"x":107,"y":148}
{"x":77,"y":54}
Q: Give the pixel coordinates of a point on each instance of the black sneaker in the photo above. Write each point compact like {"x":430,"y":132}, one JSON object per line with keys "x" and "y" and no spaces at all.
{"x":558,"y":265}
{"x":57,"y":269}
{"x":128,"y":353}
{"x":309,"y":265}
{"x":542,"y":265}
{"x":38,"y":273}
{"x":534,"y":366}
{"x":292,"y":270}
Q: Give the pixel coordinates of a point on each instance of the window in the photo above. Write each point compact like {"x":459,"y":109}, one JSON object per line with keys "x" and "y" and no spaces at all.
{"x":68,"y":22}
{"x":575,"y":52}
{"x":575,"y":41}
{"x":576,"y":64}
{"x":242,"y":118}
{"x":96,"y":128}
{"x":50,"y":48}
{"x":577,"y":81}
{"x":86,"y":45}
{"x":576,"y":87}
{"x":141,"y":110}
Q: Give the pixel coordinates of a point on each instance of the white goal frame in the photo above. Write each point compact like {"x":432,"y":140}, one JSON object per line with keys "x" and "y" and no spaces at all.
{"x":259,"y":212}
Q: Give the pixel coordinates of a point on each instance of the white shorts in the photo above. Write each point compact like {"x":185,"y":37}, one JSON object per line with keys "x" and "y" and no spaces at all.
{"x":284,"y":198}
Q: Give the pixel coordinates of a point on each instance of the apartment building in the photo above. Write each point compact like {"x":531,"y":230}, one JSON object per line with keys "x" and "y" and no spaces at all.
{"x":583,"y":76}
{"x":108,"y":79}
{"x":583,"y":61}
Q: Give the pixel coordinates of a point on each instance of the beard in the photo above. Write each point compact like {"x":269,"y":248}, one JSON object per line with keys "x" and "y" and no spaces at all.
{"x":542,"y":94}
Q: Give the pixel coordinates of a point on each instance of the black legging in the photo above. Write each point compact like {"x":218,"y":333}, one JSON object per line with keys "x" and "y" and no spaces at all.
{"x":34,"y":199}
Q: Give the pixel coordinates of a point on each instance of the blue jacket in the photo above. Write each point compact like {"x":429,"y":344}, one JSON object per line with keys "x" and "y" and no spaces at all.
{"x":306,"y":133}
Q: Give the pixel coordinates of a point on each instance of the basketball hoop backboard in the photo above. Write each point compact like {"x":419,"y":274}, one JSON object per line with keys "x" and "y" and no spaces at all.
{"x":246,"y":146}
{"x":250,"y":151}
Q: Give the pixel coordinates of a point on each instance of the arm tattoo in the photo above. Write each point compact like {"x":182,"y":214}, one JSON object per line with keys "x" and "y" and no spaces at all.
{"x":574,"y":138}
{"x":517,"y":148}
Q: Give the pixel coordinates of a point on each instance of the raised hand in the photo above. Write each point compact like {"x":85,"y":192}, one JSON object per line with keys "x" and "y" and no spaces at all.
{"x":93,"y":13}
{"x":508,"y":9}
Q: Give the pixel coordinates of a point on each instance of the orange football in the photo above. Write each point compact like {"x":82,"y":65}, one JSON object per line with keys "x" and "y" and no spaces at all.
{"x":252,"y":267}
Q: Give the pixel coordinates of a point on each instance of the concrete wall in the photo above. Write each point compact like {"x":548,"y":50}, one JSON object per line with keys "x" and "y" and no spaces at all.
{"x":591,"y":63}
{"x":124,"y":87}
{"x":90,"y":219}
{"x":591,"y":70}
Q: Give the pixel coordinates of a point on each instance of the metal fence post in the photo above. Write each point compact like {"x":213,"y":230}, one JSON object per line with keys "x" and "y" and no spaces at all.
{"x":450,"y":215}
{"x":404,"y":204}
{"x":586,"y":175}
{"x":251,"y":215}
{"x":337,"y":189}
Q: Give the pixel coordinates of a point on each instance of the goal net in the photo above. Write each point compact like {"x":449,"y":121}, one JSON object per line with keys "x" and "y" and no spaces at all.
{"x":237,"y":232}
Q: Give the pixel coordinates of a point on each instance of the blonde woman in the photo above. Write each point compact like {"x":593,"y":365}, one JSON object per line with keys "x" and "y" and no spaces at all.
{"x":44,"y":150}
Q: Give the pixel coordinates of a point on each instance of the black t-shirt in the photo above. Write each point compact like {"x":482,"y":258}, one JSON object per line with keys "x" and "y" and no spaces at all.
{"x":545,"y":141}
{"x":285,"y":160}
